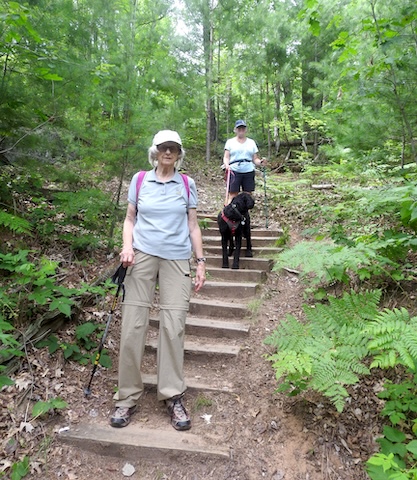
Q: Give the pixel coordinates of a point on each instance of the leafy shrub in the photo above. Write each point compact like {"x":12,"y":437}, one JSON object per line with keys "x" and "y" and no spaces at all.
{"x":78,"y":351}
{"x":398,"y":445}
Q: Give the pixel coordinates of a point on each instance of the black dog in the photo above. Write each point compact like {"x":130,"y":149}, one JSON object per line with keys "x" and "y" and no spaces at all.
{"x":234,"y":222}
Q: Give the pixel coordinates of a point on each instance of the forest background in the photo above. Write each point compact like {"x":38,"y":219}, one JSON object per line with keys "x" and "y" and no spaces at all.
{"x":327,"y":87}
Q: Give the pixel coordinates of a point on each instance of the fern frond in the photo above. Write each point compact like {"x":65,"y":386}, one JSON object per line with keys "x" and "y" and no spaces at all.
{"x":16,"y":224}
{"x":290,"y":335}
{"x":291,"y":362}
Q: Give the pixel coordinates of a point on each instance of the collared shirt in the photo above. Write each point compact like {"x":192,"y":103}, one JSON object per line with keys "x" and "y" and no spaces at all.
{"x":241,"y":155}
{"x":161,"y":227}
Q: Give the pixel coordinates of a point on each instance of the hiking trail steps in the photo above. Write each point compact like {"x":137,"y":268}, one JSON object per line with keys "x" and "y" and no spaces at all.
{"x":217,"y":327}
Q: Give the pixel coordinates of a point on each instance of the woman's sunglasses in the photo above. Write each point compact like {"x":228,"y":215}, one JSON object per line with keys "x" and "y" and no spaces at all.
{"x":173,"y":148}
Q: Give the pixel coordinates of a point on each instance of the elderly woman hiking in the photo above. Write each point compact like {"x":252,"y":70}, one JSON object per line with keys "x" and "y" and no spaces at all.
{"x":160,"y":232}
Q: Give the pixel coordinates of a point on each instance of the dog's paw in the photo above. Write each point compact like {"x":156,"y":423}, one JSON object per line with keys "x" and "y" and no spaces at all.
{"x":249,"y":253}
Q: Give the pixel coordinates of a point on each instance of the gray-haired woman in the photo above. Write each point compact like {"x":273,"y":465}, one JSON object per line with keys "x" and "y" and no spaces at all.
{"x":160,"y":232}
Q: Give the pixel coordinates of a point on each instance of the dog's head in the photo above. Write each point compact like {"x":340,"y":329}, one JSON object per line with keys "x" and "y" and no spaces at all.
{"x":244,"y":202}
{"x":239,"y":206}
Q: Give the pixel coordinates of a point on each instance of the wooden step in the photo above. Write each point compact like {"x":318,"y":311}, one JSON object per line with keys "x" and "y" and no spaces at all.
{"x":150,"y":380}
{"x":256,"y":232}
{"x":201,"y":348}
{"x":135,"y":442}
{"x":242,"y":275}
{"x":210,"y":327}
{"x":216,"y":308}
{"x":256,"y":241}
{"x":257,"y":251}
{"x":254,"y":263}
{"x":221,"y":289}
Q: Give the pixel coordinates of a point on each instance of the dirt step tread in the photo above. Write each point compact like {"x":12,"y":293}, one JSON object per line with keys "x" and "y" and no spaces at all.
{"x":135,"y":441}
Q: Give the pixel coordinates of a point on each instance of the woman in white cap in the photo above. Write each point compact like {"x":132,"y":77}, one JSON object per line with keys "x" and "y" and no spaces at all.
{"x":239,"y":160}
{"x":160,"y":232}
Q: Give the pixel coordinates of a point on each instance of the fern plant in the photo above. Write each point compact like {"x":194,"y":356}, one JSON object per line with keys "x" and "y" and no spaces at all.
{"x":327,"y":352}
{"x":322,"y":262}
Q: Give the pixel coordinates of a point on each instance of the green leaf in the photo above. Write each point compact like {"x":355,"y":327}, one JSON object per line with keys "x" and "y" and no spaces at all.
{"x":20,"y":469}
{"x":105,"y":361}
{"x":85,"y":330}
{"x":314,"y":26}
{"x":5,"y":381}
{"x":412,"y":447}
{"x":40,"y":408}
{"x":63,"y":305}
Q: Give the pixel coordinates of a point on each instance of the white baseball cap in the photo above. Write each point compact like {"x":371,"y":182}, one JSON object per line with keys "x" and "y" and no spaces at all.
{"x":164,"y":136}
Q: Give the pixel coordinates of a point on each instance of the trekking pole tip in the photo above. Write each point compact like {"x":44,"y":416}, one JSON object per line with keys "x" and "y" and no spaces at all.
{"x":87,"y":391}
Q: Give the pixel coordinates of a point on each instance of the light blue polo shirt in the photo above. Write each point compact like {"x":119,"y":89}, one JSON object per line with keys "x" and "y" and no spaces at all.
{"x":241,"y":154}
{"x":161,"y":227}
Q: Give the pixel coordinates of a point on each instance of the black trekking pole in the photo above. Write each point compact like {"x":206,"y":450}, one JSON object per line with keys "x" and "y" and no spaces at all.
{"x":265,"y":198}
{"x":117,"y":278}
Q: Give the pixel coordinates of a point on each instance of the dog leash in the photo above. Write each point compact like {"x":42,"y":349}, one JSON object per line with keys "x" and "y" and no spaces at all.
{"x":227,"y":185}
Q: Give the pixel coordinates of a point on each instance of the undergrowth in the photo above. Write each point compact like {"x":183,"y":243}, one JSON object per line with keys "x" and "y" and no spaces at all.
{"x":361,"y":237}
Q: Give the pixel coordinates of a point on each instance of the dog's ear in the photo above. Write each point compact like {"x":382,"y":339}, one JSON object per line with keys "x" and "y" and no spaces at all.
{"x":250,"y":202}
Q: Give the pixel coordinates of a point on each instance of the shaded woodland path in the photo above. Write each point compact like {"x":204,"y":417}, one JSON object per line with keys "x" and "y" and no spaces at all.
{"x":241,"y":428}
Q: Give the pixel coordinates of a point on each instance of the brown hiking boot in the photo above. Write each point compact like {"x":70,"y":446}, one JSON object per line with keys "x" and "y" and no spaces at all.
{"x":180,"y":419}
{"x":121,"y":416}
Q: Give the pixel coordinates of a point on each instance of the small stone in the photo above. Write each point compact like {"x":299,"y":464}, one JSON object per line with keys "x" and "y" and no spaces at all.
{"x":128,"y":470}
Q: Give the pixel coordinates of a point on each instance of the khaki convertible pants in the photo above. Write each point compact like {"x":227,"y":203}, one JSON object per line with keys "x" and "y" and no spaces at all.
{"x":174,"y":281}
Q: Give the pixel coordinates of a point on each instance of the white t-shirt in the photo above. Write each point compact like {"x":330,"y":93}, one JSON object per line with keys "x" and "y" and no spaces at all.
{"x":241,"y":154}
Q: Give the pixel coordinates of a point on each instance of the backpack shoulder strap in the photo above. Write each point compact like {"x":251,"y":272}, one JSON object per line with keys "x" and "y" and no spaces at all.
{"x":142,"y":174}
{"x":186,"y":184}
{"x":139,"y":183}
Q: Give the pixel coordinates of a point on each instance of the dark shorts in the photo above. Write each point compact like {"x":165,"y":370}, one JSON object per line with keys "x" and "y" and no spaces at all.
{"x":244,"y":182}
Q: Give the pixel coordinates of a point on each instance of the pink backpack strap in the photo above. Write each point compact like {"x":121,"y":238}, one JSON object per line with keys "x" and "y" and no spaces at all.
{"x":139,"y":181}
{"x":142,"y":174}
{"x":187,"y":186}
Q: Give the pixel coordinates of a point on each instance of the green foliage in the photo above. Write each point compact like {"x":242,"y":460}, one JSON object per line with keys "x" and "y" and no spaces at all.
{"x":20,"y":469}
{"x":9,"y":346}
{"x":326,"y":262}
{"x":203,"y":223}
{"x":36,"y":282}
{"x":78,"y":350}
{"x":327,"y":352}
{"x":41,"y":408}
{"x":398,"y":445}
{"x":202,"y":402}
{"x":14,"y":223}
{"x":394,"y":339}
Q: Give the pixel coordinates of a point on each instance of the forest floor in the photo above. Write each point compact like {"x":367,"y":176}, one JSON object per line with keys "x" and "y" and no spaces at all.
{"x":271,"y":436}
